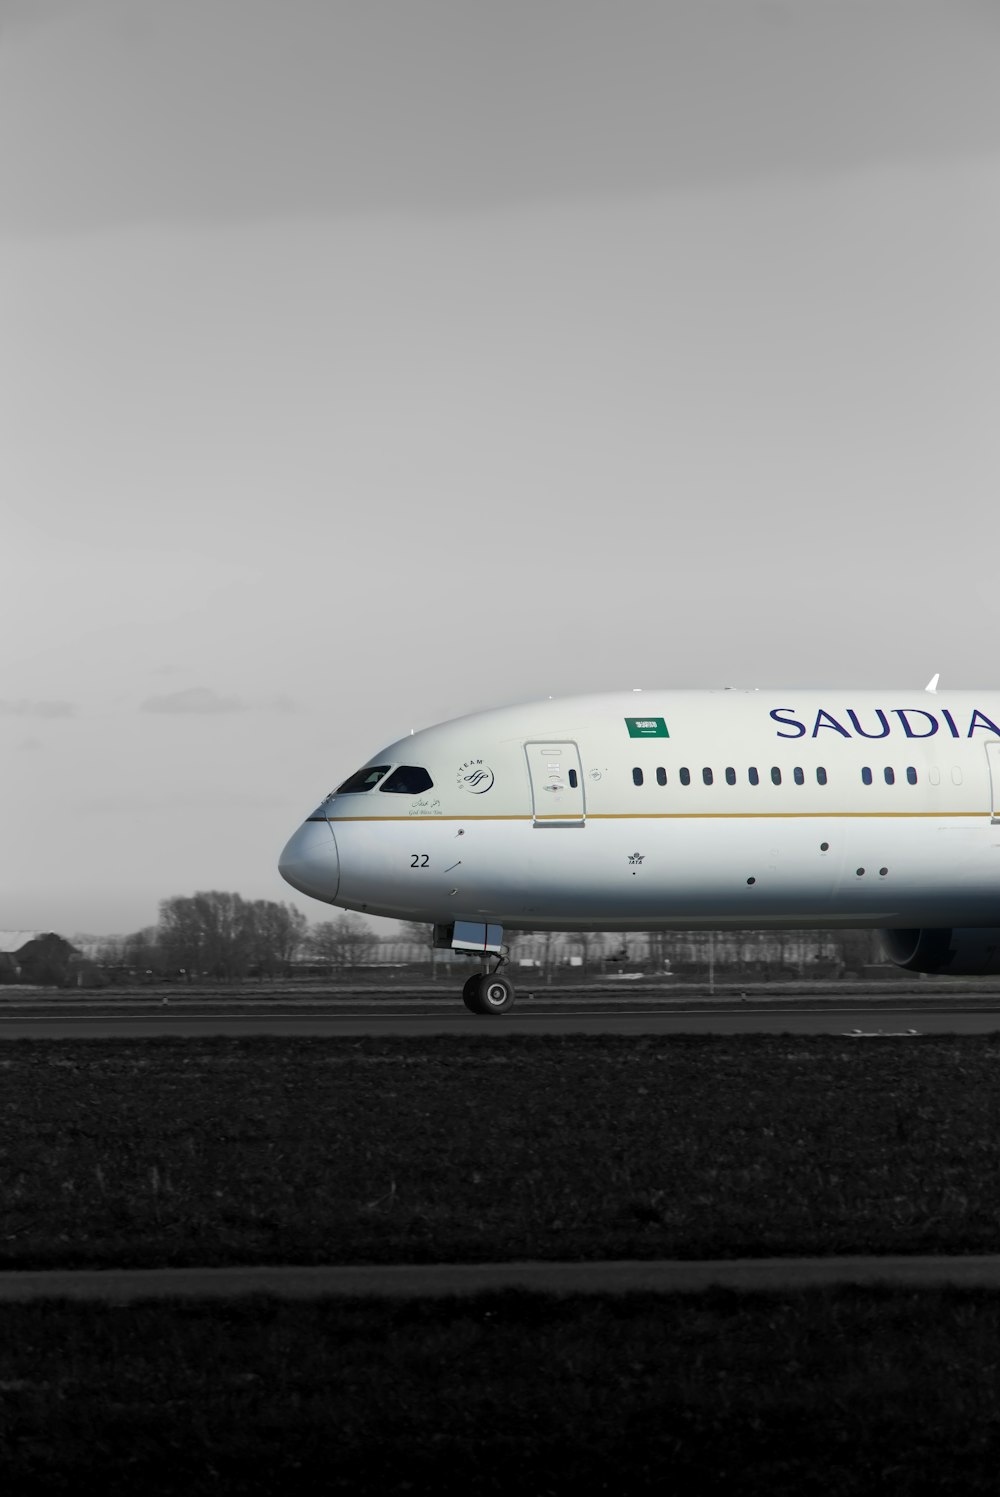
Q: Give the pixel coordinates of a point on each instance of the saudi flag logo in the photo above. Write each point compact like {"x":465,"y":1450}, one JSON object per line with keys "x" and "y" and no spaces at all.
{"x":647,"y":727}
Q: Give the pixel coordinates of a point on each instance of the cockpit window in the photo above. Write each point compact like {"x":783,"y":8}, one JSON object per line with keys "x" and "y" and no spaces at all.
{"x":408,"y":779}
{"x":365,"y":779}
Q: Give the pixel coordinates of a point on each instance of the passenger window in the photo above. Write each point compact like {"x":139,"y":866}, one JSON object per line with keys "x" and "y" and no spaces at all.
{"x":956,"y":775}
{"x":911,"y":775}
{"x":365,"y":779}
{"x":707,"y":776}
{"x":408,"y":779}
{"x":775,"y":776}
{"x":820,"y":775}
{"x":572,"y":779}
{"x":753,"y":776}
{"x":799,"y":776}
{"x":934,"y":775}
{"x":866,"y":776}
{"x":637,"y":776}
{"x":730,"y":777}
{"x":685,"y":777}
{"x":661,"y":776}
{"x":890,"y":775}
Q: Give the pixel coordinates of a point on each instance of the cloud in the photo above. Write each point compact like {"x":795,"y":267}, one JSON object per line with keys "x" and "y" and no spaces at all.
{"x":202,"y":699}
{"x":24,"y":707}
{"x":151,"y":802}
{"x":333,"y":108}
{"x":22,"y":17}
{"x":196,"y":699}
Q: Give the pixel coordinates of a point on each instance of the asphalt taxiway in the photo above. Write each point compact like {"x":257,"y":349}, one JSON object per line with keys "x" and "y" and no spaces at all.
{"x":439,"y":1280}
{"x":905,"y":1017}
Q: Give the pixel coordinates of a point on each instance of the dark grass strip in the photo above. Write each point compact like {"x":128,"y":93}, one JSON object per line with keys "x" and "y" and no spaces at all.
{"x":212,"y":1151}
{"x":836,"y":1392}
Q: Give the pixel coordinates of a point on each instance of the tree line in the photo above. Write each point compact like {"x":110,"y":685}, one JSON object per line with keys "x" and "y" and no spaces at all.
{"x":222,"y":935}
{"x":768,"y":955}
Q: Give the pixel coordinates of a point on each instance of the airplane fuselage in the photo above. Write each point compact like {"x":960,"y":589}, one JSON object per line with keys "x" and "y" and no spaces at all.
{"x":633,"y":811}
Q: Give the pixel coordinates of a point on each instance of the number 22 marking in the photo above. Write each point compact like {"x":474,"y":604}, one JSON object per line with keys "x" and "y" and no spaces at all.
{"x":419,"y":859}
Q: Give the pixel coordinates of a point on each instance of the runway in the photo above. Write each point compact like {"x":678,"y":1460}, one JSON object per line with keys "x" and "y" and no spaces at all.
{"x":907,"y":1016}
{"x":443,"y":1280}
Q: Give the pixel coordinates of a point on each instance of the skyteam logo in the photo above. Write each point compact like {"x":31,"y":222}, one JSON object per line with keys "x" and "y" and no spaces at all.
{"x":475,"y":777}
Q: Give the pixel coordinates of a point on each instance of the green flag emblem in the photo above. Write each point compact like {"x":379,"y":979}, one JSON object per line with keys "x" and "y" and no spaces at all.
{"x":647,"y":727}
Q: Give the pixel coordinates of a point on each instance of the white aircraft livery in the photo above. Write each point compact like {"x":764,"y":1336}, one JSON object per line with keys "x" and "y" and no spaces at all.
{"x":678,"y":809}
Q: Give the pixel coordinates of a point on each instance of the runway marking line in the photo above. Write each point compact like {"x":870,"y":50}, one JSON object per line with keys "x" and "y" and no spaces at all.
{"x":183,"y":1016}
{"x":673,"y":1276}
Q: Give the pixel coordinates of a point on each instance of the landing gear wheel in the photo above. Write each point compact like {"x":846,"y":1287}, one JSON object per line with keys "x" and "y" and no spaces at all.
{"x":470,"y":993}
{"x":488,"y":994}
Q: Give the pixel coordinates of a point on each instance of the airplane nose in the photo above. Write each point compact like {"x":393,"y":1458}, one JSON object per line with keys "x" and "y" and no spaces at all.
{"x":310,"y":862}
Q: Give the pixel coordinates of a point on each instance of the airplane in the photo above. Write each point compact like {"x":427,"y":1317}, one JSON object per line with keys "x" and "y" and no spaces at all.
{"x":625,"y":811}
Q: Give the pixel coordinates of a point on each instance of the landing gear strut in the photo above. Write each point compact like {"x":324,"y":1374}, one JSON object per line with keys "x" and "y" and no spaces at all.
{"x":487,"y":992}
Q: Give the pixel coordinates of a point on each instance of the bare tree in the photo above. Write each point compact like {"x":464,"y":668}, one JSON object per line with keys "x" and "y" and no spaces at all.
{"x":110,"y":953}
{"x":143,"y":954}
{"x":856,"y":949}
{"x":421,"y":934}
{"x":585,"y":944}
{"x":657,"y":950}
{"x":207,"y":932}
{"x":551,"y":945}
{"x":342,"y":943}
{"x":277,"y":932}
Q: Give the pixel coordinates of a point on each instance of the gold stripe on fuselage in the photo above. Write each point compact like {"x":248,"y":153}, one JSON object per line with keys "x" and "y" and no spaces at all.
{"x":682,"y":816}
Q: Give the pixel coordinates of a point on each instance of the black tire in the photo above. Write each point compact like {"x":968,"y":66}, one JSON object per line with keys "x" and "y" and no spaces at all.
{"x":494,"y":994}
{"x":470,"y":993}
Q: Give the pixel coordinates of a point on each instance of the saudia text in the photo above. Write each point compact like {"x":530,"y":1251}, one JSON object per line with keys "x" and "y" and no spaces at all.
{"x":915,"y":722}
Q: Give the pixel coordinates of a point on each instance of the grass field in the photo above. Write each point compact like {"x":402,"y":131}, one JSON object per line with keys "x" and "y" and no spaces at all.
{"x":257,"y":1150}
{"x":837,"y":1392}
{"x":159,"y":1151}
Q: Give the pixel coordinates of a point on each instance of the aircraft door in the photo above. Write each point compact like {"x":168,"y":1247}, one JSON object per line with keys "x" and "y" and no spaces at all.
{"x":993,"y":760}
{"x":556,"y":783}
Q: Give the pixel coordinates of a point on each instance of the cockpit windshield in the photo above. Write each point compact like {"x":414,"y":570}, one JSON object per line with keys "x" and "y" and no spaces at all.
{"x":365,"y":779}
{"x":408,"y":779}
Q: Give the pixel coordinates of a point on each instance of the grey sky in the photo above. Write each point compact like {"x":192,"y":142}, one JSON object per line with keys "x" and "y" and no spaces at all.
{"x":249,"y":107}
{"x":361,"y":365}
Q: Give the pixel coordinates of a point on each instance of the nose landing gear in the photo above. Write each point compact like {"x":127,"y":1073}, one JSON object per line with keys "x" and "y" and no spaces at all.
{"x":488,"y":993}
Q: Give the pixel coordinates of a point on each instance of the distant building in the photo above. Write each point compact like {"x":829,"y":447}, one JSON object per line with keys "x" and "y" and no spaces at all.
{"x":34,"y":956}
